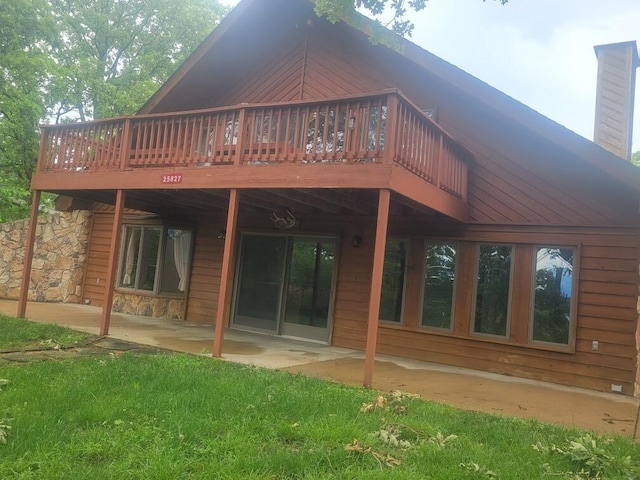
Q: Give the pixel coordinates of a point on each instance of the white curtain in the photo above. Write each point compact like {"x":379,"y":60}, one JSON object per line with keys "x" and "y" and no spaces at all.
{"x":132,"y":248}
{"x":181,"y":247}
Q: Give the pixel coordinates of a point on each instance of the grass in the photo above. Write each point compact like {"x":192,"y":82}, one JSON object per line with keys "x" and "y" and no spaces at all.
{"x":15,"y":332}
{"x":180,"y":416}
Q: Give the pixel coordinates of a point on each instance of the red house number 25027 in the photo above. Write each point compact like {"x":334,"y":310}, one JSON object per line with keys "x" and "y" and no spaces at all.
{"x":173,"y":178}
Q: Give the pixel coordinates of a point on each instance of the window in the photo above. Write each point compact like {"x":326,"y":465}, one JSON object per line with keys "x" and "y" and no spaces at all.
{"x":493,"y":290}
{"x":395,"y":260}
{"x":553,"y":292}
{"x":154,"y":259}
{"x":439,"y":278}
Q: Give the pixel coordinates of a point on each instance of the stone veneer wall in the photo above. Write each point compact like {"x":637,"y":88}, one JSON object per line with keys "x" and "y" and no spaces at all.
{"x":60,"y":253}
{"x":149,"y":306}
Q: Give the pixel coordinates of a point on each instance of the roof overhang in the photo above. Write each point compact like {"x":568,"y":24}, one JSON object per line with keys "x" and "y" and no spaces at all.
{"x":487,"y":96}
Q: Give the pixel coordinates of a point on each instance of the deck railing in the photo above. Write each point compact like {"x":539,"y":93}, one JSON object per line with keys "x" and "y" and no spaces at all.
{"x":378,"y":128}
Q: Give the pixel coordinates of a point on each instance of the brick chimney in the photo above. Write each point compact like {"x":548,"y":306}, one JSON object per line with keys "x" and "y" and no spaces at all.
{"x":617,"y":63}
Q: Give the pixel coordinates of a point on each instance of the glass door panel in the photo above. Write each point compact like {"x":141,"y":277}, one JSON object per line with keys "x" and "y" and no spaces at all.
{"x":308,"y":289}
{"x":260,"y":280}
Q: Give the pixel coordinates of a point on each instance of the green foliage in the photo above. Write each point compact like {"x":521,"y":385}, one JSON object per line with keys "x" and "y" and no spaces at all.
{"x":112,"y":56}
{"x":23,"y":77}
{"x":398,"y":10}
{"x":67,"y":60}
{"x":635,"y":158}
{"x":593,"y":460}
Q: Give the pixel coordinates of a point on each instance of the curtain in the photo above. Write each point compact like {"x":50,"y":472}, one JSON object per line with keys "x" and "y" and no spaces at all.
{"x":181,"y":247}
{"x":132,"y":249}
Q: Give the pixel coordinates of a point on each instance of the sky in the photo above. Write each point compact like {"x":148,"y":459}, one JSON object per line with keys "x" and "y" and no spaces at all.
{"x":539,"y":52}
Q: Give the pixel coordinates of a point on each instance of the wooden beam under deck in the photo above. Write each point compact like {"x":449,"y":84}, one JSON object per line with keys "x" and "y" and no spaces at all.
{"x":276,"y":178}
{"x":376,"y":285}
{"x":223,"y":176}
{"x":116,"y":234}
{"x":28,"y":254}
{"x":226,"y":271}
{"x":429,"y":195}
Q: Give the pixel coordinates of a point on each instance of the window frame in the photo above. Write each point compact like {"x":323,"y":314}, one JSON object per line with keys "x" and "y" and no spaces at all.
{"x":401,"y":321}
{"x":157,"y":280}
{"x":421,"y":324}
{"x":573,"y":306}
{"x":506,"y":338}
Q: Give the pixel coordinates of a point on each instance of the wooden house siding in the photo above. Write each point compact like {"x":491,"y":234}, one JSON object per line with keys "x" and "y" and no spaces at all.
{"x":514,"y":179}
{"x":97,"y":258}
{"x":606,"y":313}
{"x":317,"y":66}
{"x":606,"y":297}
{"x":204,"y":284}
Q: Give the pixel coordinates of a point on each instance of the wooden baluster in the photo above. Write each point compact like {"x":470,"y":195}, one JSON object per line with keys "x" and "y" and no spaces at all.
{"x":278,"y":147}
{"x":295,"y":140}
{"x":242,"y":137}
{"x":124,"y":146}
{"x":325,"y":133}
{"x":165,"y":150}
{"x":391,"y":130}
{"x":44,"y":151}
{"x":377,"y":147}
{"x":336,"y":129}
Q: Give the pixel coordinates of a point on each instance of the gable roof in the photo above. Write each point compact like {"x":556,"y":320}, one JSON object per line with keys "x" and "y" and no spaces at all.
{"x":489,"y":97}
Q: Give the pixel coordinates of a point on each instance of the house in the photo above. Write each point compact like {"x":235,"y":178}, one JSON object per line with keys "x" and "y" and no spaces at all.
{"x":300,"y":180}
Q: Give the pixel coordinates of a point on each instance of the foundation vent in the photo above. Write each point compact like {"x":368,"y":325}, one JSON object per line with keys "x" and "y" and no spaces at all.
{"x":617,"y":65}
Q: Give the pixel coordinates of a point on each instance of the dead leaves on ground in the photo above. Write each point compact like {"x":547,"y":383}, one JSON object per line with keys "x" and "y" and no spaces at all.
{"x":381,"y":457}
{"x":396,"y":436}
{"x":394,"y":401}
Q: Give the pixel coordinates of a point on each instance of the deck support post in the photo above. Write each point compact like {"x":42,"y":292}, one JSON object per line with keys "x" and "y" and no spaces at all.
{"x":116,"y":233}
{"x":225,"y":275}
{"x":28,"y":254}
{"x":384,"y":201}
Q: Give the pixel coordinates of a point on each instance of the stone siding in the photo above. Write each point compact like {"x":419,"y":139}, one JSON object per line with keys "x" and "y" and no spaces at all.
{"x":60,"y":253}
{"x":149,"y":306}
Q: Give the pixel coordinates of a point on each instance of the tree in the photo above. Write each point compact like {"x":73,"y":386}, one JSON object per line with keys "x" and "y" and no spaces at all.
{"x":345,"y":10}
{"x":113,"y":55}
{"x":23,"y":72}
{"x":69,"y":60}
{"x":635,"y":158}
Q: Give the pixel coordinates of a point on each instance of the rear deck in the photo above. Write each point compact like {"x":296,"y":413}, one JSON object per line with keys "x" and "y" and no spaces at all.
{"x":375,"y":141}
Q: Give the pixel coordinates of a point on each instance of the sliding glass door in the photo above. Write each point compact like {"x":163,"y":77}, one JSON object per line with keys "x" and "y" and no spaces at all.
{"x":285,"y":285}
{"x":259,"y":290}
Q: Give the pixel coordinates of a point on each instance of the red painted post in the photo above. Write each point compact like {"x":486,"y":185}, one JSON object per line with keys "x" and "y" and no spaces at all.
{"x":28,"y":254}
{"x":116,"y":233}
{"x":225,"y":275}
{"x":384,"y":201}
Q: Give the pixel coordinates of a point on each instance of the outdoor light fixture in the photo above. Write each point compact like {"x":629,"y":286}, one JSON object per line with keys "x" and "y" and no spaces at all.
{"x":356,"y":241}
{"x":222,"y":234}
{"x":352,"y":122}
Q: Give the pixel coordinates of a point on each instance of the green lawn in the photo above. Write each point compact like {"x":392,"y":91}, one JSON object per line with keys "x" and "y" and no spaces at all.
{"x":180,"y":416}
{"x":16,"y":332}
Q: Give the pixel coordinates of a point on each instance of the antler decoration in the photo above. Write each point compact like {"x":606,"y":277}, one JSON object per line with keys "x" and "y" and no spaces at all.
{"x":285,"y":221}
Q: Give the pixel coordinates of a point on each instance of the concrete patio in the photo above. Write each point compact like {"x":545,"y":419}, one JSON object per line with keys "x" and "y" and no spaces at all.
{"x":463,"y":388}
